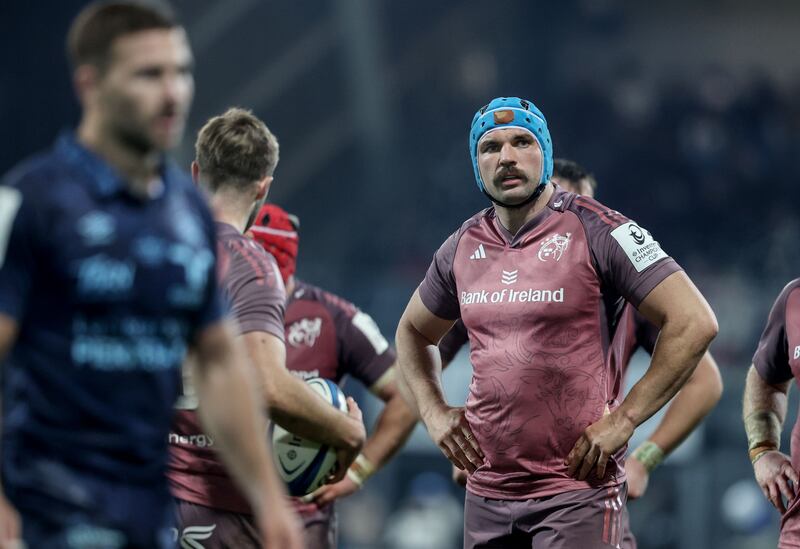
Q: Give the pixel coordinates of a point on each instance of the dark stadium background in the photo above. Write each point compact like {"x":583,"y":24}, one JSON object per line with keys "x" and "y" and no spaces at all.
{"x":687,"y":112}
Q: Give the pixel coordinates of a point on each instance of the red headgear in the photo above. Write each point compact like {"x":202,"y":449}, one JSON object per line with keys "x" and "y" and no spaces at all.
{"x":276,"y":230}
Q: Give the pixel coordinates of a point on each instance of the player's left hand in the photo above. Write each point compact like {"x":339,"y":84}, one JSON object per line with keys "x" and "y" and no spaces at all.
{"x":329,"y":492}
{"x":598,"y":443}
{"x":638,"y":477}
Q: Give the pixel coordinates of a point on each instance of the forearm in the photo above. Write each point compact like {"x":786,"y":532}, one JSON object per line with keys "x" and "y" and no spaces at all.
{"x":392,"y":429}
{"x":764,"y":411}
{"x":238,"y":425}
{"x":420,"y":364}
{"x":692,"y":403}
{"x":298,"y":409}
{"x":675,"y":356}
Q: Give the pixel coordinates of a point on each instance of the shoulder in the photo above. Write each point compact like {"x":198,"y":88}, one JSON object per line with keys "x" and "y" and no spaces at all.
{"x":475,"y":223}
{"x":790,"y":291}
{"x":592,"y":213}
{"x":35,"y":173}
{"x":336,"y":304}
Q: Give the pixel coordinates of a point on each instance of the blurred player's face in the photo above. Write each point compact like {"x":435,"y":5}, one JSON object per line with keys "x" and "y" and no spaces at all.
{"x":582,"y":187}
{"x":510,"y":163}
{"x":144,"y":95}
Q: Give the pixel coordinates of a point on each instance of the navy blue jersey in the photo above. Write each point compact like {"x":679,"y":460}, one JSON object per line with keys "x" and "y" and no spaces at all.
{"x":108,"y":290}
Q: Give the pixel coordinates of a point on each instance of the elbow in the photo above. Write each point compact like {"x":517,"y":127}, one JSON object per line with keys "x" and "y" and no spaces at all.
{"x":703,"y":328}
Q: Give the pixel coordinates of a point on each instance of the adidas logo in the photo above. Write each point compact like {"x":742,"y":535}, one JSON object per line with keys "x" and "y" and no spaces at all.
{"x":479,"y":253}
{"x":509,"y":277}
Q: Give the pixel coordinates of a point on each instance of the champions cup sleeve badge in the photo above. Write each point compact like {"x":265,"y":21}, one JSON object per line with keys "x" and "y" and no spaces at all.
{"x":554,"y":247}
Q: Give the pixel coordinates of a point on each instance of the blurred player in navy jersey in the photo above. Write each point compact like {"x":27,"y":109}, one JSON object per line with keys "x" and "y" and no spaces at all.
{"x":236,"y":156}
{"x":107,"y":278}
{"x":694,"y":401}
{"x":775,"y":363}
{"x":539,"y":279}
{"x":329,"y":337}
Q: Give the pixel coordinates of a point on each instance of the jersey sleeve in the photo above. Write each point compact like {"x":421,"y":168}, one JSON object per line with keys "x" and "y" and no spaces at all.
{"x":438,"y":289}
{"x":364,"y":351}
{"x":20,"y":237}
{"x":452,"y":341}
{"x":646,"y":332}
{"x":627,"y":257}
{"x":258,"y":298}
{"x":771,"y":358}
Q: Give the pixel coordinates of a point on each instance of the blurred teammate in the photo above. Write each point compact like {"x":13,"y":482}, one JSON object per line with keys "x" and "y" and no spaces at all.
{"x":775,"y":363}
{"x":329,"y":337}
{"x":537,"y":280}
{"x":107,"y":277}
{"x":236,"y":156}
{"x":692,"y":403}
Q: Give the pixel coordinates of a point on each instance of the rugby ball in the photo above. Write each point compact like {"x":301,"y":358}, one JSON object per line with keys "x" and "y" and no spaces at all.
{"x":304,"y":464}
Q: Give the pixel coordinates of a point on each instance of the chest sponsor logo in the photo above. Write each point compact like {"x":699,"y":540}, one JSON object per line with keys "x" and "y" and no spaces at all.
{"x":305,"y":374}
{"x":191,"y":536}
{"x":304,"y":332}
{"x":103,"y":275}
{"x":554,"y":247}
{"x":199,"y":441}
{"x":96,"y":228}
{"x":638,"y":244}
{"x":797,"y":352}
{"x":531,"y":295}
{"x":509,"y":277}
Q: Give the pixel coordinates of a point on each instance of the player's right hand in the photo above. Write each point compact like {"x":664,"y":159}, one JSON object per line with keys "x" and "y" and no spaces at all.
{"x":773,"y":472}
{"x":346,"y":456}
{"x":460,"y":477}
{"x":280,"y":527}
{"x":9,"y":525}
{"x":450,"y":431}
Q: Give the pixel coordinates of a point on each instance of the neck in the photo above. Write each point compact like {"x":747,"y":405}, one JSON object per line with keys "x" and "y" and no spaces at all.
{"x":138,"y":168}
{"x":230,"y":211}
{"x":514,"y":218}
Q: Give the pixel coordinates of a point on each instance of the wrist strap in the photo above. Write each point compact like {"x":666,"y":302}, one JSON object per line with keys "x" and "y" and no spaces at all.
{"x":360,"y":470}
{"x":760,"y":450}
{"x":649,"y":454}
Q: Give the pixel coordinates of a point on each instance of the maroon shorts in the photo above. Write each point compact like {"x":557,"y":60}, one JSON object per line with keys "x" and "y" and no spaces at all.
{"x":321,"y":527}
{"x":200,"y":526}
{"x":790,"y":527}
{"x":581,"y":519}
{"x":628,"y":540}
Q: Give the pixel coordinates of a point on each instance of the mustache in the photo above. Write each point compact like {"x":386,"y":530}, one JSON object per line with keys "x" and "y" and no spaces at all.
{"x":509,"y":172}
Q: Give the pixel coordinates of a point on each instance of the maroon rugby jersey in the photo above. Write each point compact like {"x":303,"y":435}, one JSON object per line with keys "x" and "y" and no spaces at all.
{"x":329,"y":337}
{"x":256,"y":296}
{"x":777,"y":360}
{"x":541,"y":308}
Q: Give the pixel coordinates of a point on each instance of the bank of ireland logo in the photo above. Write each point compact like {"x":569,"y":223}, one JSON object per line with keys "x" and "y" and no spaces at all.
{"x":637,"y":234}
{"x":554,"y":247}
{"x":509,"y":277}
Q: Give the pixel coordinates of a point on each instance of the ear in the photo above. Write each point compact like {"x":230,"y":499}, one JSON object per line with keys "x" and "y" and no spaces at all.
{"x":85,"y":80}
{"x":263,"y":187}
{"x":195,"y":172}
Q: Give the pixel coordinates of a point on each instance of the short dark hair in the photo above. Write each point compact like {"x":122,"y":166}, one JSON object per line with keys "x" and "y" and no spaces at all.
{"x":95,"y":28}
{"x":236,"y":149}
{"x":573,"y":172}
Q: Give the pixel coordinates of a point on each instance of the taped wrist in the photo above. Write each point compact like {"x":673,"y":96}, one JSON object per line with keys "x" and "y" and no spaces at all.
{"x":649,"y":454}
{"x":763,"y":430}
{"x":360,"y":470}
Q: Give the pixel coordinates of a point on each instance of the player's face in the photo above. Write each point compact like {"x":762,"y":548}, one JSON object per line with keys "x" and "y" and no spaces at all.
{"x":510,"y":163}
{"x":145,"y":93}
{"x":582,"y":187}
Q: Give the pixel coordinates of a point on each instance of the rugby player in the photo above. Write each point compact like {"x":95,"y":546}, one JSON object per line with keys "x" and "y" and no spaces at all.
{"x":329,"y":337}
{"x":692,"y":403}
{"x":236,"y":156}
{"x":107,"y":277}
{"x":775,"y":363}
{"x":538,"y":280}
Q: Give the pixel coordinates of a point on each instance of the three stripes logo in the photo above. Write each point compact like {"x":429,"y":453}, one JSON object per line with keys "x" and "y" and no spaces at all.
{"x":509,"y":277}
{"x":480,"y":253}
